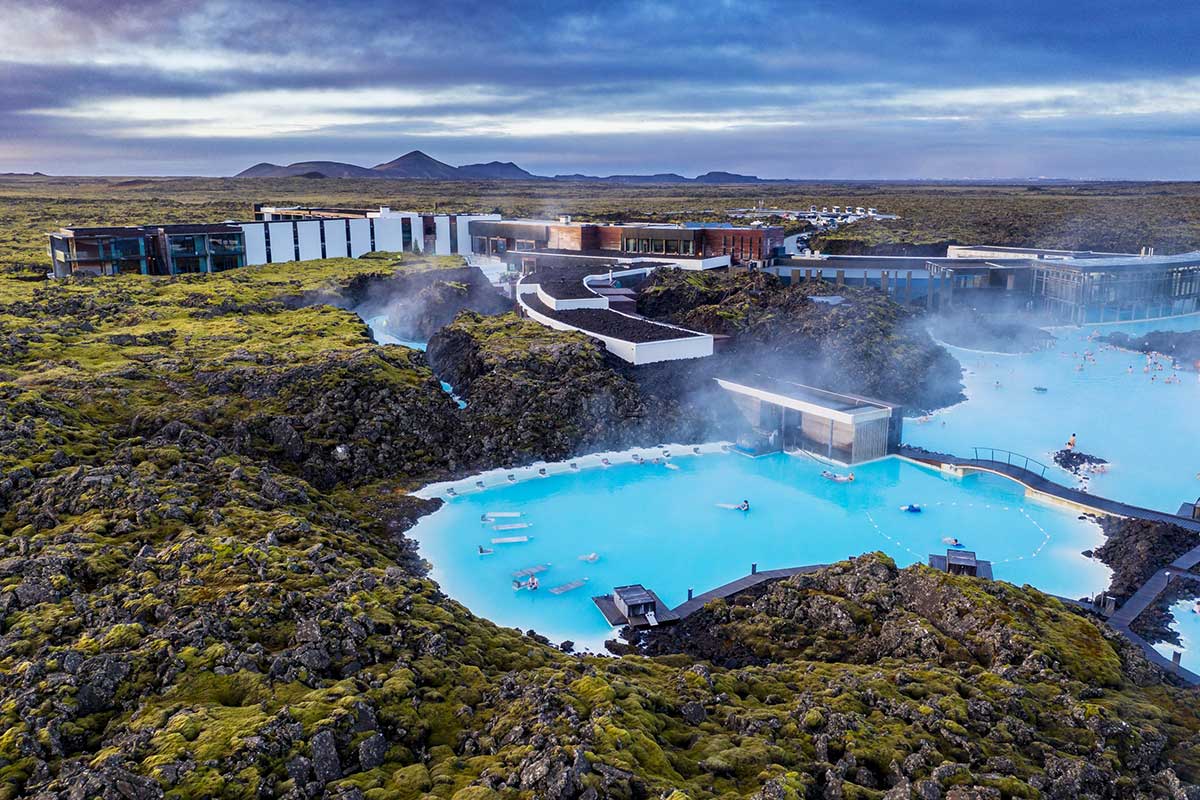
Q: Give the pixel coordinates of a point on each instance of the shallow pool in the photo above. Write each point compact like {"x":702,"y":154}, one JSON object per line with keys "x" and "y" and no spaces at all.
{"x":1148,"y":429}
{"x":663,"y":528}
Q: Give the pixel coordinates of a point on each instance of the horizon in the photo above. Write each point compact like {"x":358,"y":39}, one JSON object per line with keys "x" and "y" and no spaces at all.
{"x":824,"y":92}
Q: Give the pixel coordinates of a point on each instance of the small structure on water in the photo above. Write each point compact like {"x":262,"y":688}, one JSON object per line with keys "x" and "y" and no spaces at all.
{"x":784,"y":415}
{"x":961,"y":562}
{"x":635,"y":606}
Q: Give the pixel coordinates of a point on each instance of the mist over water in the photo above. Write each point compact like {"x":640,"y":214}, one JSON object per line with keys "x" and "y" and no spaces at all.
{"x":1148,"y":429}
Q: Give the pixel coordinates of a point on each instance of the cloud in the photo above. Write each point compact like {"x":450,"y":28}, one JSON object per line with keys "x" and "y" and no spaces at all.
{"x":776,"y":86}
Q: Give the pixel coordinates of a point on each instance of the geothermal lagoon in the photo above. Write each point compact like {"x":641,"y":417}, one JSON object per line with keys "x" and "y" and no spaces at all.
{"x":1147,"y":429}
{"x":663,"y":527}
{"x":595,"y":527}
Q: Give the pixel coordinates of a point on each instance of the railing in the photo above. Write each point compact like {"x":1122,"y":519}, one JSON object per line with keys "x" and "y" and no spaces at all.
{"x":1010,"y":458}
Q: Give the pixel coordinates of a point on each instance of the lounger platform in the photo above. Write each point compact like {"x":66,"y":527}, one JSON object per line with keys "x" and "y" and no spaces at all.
{"x":615,"y":618}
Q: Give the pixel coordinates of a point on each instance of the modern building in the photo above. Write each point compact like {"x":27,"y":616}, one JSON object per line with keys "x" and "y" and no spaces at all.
{"x":1117,"y":289}
{"x":525,"y":243}
{"x":147,"y":249}
{"x":433,"y":234}
{"x":599,"y":304}
{"x":1059,"y":286}
{"x":276,"y":235}
{"x":788,"y":416}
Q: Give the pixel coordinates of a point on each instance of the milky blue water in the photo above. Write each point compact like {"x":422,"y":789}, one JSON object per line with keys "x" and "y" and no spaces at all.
{"x":1187,"y":624}
{"x":1149,"y":429}
{"x":378,"y":326}
{"x":661,"y":527}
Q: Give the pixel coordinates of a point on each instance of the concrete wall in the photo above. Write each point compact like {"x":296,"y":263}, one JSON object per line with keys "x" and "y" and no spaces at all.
{"x":308,"y":235}
{"x":283,"y":245}
{"x":441,"y":224}
{"x":689,"y":346}
{"x":360,"y":237}
{"x":336,"y":245}
{"x":389,"y":234}
{"x":256,"y":244}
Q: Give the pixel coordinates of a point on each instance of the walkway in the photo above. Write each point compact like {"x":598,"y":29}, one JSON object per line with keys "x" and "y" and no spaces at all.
{"x":1037,"y":480}
{"x":1027,"y":472}
{"x":740,"y":585}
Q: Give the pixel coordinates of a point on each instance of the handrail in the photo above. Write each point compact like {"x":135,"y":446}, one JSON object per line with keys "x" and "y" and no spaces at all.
{"x":1007,"y":457}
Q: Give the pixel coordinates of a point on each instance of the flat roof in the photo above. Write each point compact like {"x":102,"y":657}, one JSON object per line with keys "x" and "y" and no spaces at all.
{"x":1125,"y":262}
{"x":634,"y":593}
{"x":846,"y":408}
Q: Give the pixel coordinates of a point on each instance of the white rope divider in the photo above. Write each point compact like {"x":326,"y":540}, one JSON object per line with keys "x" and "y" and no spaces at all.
{"x":1045,"y":535}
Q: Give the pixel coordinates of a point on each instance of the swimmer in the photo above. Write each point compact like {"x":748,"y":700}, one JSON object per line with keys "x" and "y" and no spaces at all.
{"x":744,"y":505}
{"x":911,"y":508}
{"x":605,"y":462}
{"x":590,"y":558}
{"x":952,"y":541}
{"x":533,"y":582}
{"x":1071,"y":442}
{"x":485,"y":551}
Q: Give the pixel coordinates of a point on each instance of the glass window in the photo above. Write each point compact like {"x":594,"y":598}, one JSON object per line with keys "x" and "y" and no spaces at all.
{"x":657,"y":246}
{"x":673,"y":247}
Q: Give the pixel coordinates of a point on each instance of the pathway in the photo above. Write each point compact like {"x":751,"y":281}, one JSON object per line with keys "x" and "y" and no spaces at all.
{"x":1148,"y":592}
{"x":740,"y":585}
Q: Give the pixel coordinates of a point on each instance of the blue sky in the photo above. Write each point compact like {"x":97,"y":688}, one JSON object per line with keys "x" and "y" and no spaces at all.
{"x":848,"y":89}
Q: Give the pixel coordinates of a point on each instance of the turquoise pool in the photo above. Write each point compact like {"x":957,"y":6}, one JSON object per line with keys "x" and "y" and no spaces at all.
{"x":1148,"y":429}
{"x":662,"y":527}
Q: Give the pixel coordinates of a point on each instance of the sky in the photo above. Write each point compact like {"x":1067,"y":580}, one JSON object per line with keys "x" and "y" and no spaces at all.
{"x":853,"y":89}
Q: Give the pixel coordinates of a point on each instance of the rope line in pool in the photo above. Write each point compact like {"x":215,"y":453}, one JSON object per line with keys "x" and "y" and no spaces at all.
{"x":1037,"y":551}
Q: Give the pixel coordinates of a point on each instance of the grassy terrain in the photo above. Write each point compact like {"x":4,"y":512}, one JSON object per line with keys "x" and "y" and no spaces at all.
{"x":1102,"y":216}
{"x":183,"y":611}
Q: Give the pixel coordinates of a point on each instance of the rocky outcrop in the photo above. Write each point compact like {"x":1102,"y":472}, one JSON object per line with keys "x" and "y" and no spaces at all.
{"x":1182,"y":347}
{"x":1135,"y":549}
{"x":533,"y":393}
{"x":864,"y":344}
{"x":206,"y":589}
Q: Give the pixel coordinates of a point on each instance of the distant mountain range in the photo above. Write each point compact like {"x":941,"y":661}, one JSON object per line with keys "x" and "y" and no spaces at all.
{"x":421,"y":166}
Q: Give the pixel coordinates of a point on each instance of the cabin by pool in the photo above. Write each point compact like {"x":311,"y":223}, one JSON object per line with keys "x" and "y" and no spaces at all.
{"x":672,"y":526}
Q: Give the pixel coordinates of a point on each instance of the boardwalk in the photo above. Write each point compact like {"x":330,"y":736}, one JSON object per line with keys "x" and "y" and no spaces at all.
{"x":1017,"y":468}
{"x":740,"y":585}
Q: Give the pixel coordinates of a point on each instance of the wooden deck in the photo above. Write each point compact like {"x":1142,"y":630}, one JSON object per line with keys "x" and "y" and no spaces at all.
{"x":608,"y":608}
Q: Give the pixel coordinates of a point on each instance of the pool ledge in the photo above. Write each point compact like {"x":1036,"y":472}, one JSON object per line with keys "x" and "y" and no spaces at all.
{"x":493,"y":478}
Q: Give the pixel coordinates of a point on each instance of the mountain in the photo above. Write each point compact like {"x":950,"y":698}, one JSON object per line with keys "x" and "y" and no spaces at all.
{"x":422,"y":166}
{"x":416,"y":164}
{"x":497,"y":170}
{"x":329,"y":169}
{"x":727,"y":177}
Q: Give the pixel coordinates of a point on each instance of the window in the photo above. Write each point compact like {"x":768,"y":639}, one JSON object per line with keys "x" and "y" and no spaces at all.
{"x":371,"y":223}
{"x":657,"y":246}
{"x":321,"y":225}
{"x":673,"y":247}
{"x":267,"y":240}
{"x":645,"y":248}
{"x":296,"y":241}
{"x":687,"y":247}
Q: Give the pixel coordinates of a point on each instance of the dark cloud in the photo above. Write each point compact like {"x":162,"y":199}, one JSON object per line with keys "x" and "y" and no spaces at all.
{"x":872,"y":88}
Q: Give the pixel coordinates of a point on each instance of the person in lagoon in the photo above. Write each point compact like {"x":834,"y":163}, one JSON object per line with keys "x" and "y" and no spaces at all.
{"x":533,"y":582}
{"x":744,"y":505}
{"x":485,"y":551}
{"x":1071,"y":442}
